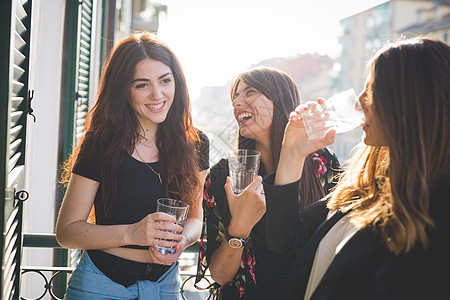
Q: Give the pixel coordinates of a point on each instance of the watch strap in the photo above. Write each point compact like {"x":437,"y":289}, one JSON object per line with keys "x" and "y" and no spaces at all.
{"x":233,"y":239}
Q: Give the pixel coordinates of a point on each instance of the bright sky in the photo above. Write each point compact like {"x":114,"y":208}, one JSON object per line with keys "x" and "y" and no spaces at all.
{"x":216,"y":39}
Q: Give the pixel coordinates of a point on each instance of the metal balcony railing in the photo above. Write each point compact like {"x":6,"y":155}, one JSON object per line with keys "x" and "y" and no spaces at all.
{"x":32,"y":240}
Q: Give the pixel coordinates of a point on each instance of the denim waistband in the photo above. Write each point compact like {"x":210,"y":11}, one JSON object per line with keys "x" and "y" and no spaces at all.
{"x":125,"y":271}
{"x":88,"y":282}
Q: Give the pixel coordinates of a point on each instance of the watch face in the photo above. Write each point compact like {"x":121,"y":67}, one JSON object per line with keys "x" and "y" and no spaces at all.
{"x":235,"y":243}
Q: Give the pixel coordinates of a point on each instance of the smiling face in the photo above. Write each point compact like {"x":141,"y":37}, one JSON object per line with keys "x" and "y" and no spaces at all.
{"x":152,"y":92}
{"x":253,"y":112}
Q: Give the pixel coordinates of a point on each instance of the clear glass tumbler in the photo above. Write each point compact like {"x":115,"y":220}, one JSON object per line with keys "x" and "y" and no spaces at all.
{"x":341,"y":112}
{"x":176,"y":208}
{"x":243,"y":165}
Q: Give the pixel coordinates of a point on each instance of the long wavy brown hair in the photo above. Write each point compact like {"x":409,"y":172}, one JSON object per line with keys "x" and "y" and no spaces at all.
{"x":112,"y":129}
{"x":279,"y":87}
{"x":390,"y":187}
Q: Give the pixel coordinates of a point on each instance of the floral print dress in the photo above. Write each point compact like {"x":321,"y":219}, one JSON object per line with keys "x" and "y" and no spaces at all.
{"x":217,"y":219}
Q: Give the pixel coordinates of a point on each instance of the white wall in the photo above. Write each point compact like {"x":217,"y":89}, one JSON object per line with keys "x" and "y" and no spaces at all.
{"x":45,"y":78}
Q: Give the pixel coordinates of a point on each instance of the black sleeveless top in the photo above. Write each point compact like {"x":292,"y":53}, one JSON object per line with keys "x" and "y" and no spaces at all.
{"x":138,"y":187}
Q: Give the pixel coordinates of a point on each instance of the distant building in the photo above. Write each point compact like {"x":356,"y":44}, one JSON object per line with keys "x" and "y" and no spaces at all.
{"x":434,"y":21}
{"x":365,"y":32}
{"x":313,"y":73}
{"x":137,"y":15}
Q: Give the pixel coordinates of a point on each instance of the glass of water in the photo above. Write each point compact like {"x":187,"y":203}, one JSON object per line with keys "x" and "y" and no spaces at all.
{"x":341,"y":112}
{"x":177,"y":208}
{"x":243,"y":165}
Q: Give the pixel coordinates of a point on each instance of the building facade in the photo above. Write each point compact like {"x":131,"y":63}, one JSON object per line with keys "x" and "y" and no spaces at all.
{"x":365,"y":32}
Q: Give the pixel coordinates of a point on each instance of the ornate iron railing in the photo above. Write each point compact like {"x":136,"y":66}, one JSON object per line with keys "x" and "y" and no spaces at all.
{"x":49,"y":241}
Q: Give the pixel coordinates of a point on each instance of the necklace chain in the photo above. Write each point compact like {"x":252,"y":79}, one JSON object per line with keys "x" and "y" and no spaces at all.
{"x":153,"y":170}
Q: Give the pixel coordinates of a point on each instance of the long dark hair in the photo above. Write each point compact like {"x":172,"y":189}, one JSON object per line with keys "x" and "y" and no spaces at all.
{"x":391,"y":186}
{"x":279,"y":87}
{"x":112,"y":129}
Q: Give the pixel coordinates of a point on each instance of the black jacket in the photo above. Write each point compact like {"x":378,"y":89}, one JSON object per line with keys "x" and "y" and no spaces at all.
{"x":364,"y":268}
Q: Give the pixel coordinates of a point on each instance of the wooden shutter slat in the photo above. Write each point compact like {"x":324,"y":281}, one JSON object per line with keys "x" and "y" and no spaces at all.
{"x":83,"y":76}
{"x":15,"y":102}
{"x":83,"y":82}
{"x":14,"y":145}
{"x":14,"y":132}
{"x":87,"y":6}
{"x":86,"y":30}
{"x":15,"y":116}
{"x":18,"y":71}
{"x":83,"y":106}
{"x":19,"y":58}
{"x":20,"y":12}
{"x":84,"y":88}
{"x":20,"y":27}
{"x":11,"y":220}
{"x":8,"y":289}
{"x":81,"y":115}
{"x":19,"y":41}
{"x":15,"y":175}
{"x":11,"y":239}
{"x":13,"y":161}
{"x":85,"y":26}
{"x":84,"y":56}
{"x":86,"y":17}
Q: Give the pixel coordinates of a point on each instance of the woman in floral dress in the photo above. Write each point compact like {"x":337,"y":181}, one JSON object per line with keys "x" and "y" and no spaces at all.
{"x":235,"y":251}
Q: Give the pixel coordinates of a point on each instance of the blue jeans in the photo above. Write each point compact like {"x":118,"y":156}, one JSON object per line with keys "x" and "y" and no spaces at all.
{"x":88,"y":282}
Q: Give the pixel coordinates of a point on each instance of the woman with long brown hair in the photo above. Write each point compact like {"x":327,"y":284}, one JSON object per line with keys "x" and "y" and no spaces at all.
{"x":262,"y":99}
{"x":139,"y":145}
{"x":384,"y":231}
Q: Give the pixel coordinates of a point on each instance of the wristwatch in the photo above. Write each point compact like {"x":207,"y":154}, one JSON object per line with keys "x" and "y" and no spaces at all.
{"x":235,"y":242}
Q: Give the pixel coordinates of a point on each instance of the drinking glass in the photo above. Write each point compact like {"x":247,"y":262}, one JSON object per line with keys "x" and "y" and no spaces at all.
{"x":243,"y":165}
{"x":341,"y":112}
{"x":176,"y":208}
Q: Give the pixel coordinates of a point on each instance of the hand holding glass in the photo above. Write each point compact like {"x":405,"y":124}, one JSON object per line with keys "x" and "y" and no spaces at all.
{"x":243,"y":165}
{"x":177,"y":208}
{"x":341,"y":112}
